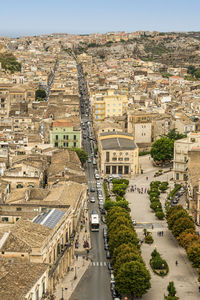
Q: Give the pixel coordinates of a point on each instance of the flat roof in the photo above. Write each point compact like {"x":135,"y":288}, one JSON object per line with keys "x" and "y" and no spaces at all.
{"x":49,"y":218}
{"x":118,"y":144}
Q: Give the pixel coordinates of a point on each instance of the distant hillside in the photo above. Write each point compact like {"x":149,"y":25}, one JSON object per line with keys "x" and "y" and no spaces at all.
{"x":9,"y":62}
{"x":172,"y":49}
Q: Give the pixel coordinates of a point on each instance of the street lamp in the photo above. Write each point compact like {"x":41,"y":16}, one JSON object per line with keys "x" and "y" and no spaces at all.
{"x":75,"y":275}
{"x":62,"y":294}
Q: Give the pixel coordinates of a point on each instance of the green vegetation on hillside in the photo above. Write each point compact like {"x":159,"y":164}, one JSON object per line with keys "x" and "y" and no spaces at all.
{"x":8,"y":62}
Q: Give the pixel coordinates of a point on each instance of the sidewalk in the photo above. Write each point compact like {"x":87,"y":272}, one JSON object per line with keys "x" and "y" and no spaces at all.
{"x":81,"y":262}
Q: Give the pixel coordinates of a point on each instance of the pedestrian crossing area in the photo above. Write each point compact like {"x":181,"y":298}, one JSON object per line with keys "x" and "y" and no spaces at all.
{"x":98,"y":264}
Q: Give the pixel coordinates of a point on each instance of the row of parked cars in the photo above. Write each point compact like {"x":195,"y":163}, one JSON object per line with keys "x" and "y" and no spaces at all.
{"x":177,"y":196}
{"x":114,"y":292}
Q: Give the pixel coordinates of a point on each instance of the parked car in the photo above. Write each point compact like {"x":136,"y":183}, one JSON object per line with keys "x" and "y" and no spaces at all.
{"x":110,"y":267}
{"x":115,"y":294}
{"x":106,"y":246}
{"x":92,"y":190}
{"x":108,"y":256}
{"x":103,"y":219}
{"x":112,"y":286}
{"x":105,"y":233}
{"x":92,"y":200}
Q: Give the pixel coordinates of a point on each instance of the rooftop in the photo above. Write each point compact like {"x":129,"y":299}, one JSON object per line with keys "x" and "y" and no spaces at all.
{"x":118,"y":144}
{"x":49,"y":218}
{"x":18,"y":277}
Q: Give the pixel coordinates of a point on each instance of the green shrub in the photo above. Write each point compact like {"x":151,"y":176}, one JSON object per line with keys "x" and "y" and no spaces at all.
{"x":148,"y":239}
{"x":160,"y":214}
{"x":155,"y":204}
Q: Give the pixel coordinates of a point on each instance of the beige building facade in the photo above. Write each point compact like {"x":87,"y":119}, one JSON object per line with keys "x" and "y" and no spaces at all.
{"x":181,"y":149}
{"x":118,"y":154}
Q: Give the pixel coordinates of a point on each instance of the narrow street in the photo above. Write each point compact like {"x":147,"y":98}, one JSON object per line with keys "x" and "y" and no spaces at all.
{"x":95,"y":282}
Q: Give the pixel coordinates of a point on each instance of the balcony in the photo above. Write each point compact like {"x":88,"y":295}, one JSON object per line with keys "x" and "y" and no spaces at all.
{"x":64,"y":248}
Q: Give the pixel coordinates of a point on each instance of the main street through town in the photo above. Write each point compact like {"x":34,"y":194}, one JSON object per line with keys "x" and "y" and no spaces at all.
{"x":95,"y":283}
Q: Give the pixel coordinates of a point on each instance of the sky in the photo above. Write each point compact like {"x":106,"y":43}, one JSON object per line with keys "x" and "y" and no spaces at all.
{"x":34,"y":17}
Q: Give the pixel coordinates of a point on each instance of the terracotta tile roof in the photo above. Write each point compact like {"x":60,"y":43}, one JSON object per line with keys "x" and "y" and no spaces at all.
{"x":18,"y":277}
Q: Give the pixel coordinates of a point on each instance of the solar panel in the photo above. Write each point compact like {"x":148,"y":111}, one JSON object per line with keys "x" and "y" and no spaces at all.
{"x":50,"y":218}
{"x":54,"y":218}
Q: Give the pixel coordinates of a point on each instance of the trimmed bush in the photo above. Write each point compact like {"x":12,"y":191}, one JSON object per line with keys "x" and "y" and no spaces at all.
{"x":160,"y":214}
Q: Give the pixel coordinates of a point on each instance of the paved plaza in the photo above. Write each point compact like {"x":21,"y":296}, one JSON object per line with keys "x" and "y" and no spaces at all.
{"x":183,"y":275}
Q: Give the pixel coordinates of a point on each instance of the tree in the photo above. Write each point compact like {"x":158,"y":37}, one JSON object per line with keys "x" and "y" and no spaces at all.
{"x":172,"y":219}
{"x":187,"y":239}
{"x":133,"y":278}
{"x":174,"y":135}
{"x":123,"y":249}
{"x":119,"y":189}
{"x":40,"y":94}
{"x":181,"y":225}
{"x":171,"y":289}
{"x":193,"y":253}
{"x":173,"y":210}
{"x":126,"y":257}
{"x":122,"y":236}
{"x":83,"y":156}
{"x":162,"y":149}
{"x":116,"y":212}
{"x":160,"y":214}
{"x":191,"y":69}
{"x":197,"y":73}
{"x":121,"y":220}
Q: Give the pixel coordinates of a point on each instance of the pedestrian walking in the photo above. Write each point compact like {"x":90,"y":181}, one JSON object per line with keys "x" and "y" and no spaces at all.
{"x":152,"y":226}
{"x":176,"y":263}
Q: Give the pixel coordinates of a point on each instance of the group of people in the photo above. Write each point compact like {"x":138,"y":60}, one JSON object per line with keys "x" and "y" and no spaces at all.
{"x":160,"y":233}
{"x":133,"y":188}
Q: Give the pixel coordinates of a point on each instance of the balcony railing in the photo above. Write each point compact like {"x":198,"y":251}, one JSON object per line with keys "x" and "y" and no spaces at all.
{"x":64,"y":248}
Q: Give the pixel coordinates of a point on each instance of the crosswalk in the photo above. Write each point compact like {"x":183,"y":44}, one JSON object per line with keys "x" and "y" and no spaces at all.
{"x":98,"y":264}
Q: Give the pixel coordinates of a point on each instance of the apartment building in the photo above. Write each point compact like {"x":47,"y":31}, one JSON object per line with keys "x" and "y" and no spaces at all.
{"x":181,"y":149}
{"x":110,"y":103}
{"x":65,"y":134}
{"x":193,"y":183}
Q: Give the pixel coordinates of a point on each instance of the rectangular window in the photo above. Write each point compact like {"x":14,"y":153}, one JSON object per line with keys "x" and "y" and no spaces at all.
{"x":107,"y":169}
{"x":177,"y":176}
{"x":56,"y":137}
{"x":74,"y":137}
{"x":126,"y":169}
{"x":64,"y":137}
{"x":67,"y":137}
{"x":37,"y":295}
{"x":107,"y":156}
{"x":114,"y":169}
{"x":126,"y":158}
{"x":114,"y":158}
{"x":67,"y":144}
{"x":56,"y":144}
{"x":19,"y":208}
{"x":43,"y":287}
{"x":74,"y":144}
{"x":120,"y":169}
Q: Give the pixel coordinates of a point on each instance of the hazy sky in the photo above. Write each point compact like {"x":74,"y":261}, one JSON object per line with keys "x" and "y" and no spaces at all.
{"x":24,"y":17}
